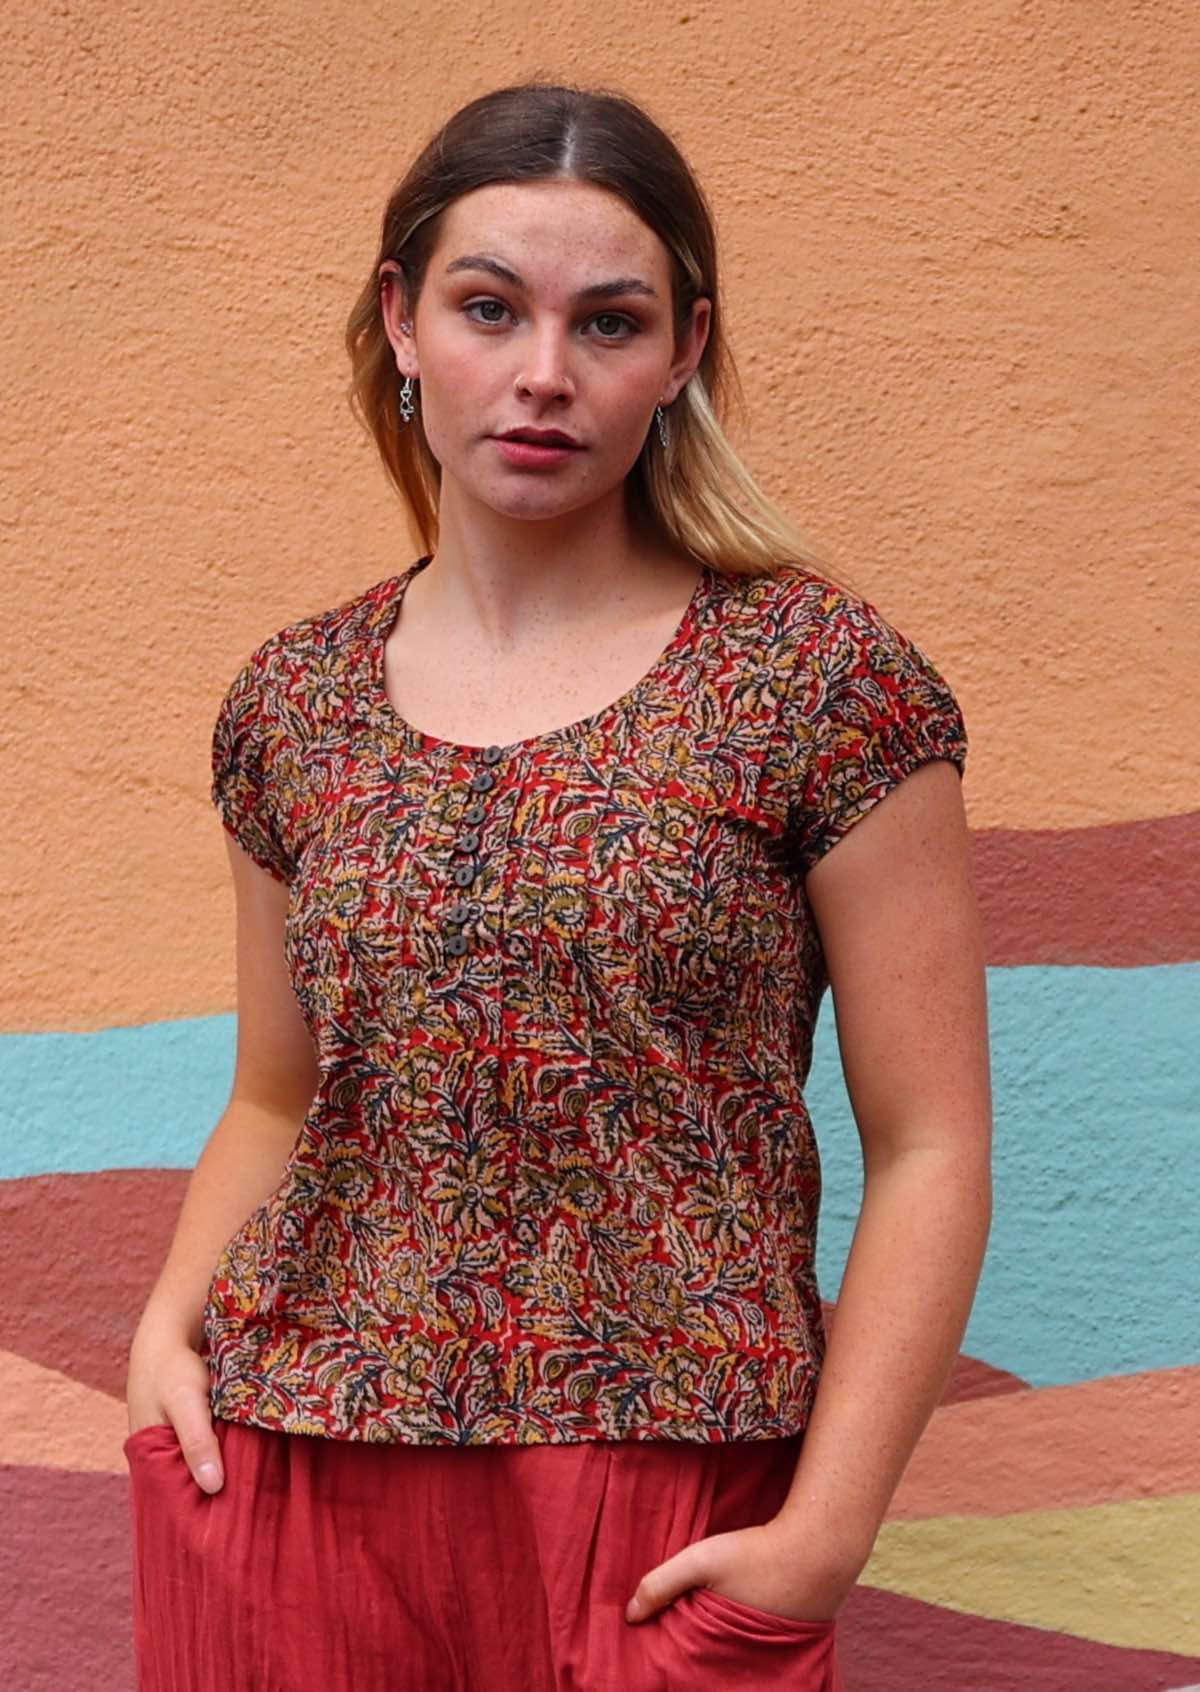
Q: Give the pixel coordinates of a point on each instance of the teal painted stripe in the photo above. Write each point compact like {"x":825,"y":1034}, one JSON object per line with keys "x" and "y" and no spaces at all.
{"x":1090,"y":1268}
{"x":120,"y":1098}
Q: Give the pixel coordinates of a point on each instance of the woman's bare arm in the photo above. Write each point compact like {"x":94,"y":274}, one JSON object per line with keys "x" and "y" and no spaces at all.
{"x":896,"y":907}
{"x":275,"y":1079}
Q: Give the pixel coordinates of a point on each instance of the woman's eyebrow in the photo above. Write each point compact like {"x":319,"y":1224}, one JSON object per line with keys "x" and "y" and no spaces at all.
{"x":595,"y":291}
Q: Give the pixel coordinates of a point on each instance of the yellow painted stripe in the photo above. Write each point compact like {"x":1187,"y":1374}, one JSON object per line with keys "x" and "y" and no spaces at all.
{"x":1125,"y":1574}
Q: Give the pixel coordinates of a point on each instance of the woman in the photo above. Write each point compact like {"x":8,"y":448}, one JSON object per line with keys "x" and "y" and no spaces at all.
{"x":488,"y":1347}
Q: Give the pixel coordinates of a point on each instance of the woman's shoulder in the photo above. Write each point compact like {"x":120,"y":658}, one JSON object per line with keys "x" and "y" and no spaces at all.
{"x":807,"y":601}
{"x":822,"y":625}
{"x":312,"y":656}
{"x":318,"y":635}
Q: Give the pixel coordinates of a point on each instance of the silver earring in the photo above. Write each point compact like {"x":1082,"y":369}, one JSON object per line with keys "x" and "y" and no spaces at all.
{"x":661,"y":419}
{"x":406,"y":404}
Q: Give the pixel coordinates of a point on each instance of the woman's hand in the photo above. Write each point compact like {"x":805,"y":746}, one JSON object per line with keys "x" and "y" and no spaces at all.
{"x":168,"y":1381}
{"x":770,"y":1566}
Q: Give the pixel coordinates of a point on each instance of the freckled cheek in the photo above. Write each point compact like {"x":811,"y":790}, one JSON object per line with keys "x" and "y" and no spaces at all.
{"x":625,"y":435}
{"x":456,"y":410}
{"x":456,"y":380}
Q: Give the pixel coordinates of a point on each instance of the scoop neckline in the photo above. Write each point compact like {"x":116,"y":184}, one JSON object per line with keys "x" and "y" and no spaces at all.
{"x":392,"y":598}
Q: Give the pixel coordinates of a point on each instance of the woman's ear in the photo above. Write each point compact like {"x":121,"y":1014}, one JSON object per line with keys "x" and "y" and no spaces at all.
{"x":692,"y":351}
{"x":396,"y":320}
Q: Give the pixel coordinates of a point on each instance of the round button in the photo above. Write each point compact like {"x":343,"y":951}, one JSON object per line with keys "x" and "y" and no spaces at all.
{"x":456,"y":945}
{"x":476,"y":814}
{"x":482,"y":782}
{"x":459,"y":911}
{"x":465,"y":874}
{"x":492,"y":754}
{"x":467,"y":842}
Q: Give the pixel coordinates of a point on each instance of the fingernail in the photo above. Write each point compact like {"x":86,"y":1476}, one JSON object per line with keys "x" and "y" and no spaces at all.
{"x":209,"y":1477}
{"x":633,"y":1610}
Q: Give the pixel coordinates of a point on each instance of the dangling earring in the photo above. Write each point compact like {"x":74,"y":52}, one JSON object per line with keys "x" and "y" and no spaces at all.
{"x":406,"y":403}
{"x":660,"y":417}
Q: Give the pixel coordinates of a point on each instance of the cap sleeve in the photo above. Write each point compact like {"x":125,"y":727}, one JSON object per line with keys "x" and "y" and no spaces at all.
{"x":867,"y":707}
{"x":246,"y":777}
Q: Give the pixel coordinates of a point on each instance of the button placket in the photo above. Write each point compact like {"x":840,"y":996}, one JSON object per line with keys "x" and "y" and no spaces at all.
{"x":465,"y":872}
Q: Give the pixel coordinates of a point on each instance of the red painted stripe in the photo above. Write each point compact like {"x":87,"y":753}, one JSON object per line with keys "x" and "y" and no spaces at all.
{"x":1115,"y":896}
{"x":85,"y":1251}
{"x":892,"y":1643}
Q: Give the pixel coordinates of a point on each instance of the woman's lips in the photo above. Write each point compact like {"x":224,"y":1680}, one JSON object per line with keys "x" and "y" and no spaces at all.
{"x":531,"y":456}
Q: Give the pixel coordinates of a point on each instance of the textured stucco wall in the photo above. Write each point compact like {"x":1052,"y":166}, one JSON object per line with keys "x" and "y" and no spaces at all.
{"x":958,"y":252}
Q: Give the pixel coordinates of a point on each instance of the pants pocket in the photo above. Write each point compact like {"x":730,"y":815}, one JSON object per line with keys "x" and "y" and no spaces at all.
{"x":756,"y":1621}
{"x":148,"y":1435}
{"x":722,"y":1643}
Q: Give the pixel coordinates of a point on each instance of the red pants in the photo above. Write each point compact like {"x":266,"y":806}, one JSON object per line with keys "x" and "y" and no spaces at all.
{"x":327,"y":1565}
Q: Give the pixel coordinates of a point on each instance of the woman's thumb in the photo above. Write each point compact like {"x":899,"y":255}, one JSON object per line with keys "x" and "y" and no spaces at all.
{"x":201,"y":1453}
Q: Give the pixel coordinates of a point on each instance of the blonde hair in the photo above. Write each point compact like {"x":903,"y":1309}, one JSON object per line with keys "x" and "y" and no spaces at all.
{"x":695,"y":493}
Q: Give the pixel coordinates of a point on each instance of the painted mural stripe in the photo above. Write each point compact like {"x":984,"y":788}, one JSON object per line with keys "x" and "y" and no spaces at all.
{"x":1108,"y":895}
{"x":892,"y":1643}
{"x":65,"y":1561}
{"x":53,"y":1422}
{"x":1090,"y":1269}
{"x":115,"y":1098}
{"x":1123,"y":1574}
{"x":1057,"y":1448}
{"x":85,"y":1250}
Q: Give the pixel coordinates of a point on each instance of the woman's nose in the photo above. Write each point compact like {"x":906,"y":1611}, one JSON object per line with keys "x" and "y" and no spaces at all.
{"x":545,"y":370}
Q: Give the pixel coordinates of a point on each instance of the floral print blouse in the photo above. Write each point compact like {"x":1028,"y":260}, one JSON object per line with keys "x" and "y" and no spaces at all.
{"x":558,"y":1181}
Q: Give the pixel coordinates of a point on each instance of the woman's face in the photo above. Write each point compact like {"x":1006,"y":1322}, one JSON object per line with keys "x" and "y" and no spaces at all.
{"x":545,"y":305}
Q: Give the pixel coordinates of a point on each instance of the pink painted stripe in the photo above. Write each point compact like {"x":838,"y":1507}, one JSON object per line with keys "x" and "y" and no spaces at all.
{"x":1050,"y":1448}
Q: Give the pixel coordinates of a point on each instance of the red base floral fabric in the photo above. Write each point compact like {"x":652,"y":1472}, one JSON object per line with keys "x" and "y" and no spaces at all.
{"x":559,"y":1182}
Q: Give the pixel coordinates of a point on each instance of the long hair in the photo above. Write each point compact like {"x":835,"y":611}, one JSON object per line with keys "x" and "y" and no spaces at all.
{"x":695,"y":493}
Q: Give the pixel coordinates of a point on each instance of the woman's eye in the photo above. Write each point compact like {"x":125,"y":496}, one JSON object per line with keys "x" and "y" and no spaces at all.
{"x":609,"y":317}
{"x":615,"y":317}
{"x":477,"y":305}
